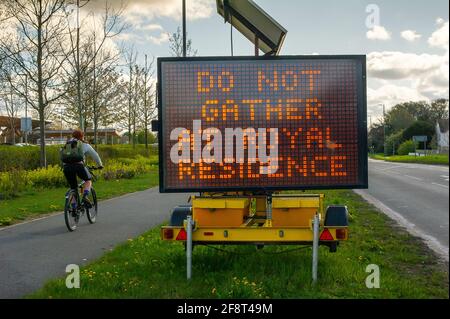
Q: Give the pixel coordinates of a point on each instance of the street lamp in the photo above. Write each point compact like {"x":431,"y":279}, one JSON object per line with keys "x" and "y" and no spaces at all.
{"x":384,"y":129}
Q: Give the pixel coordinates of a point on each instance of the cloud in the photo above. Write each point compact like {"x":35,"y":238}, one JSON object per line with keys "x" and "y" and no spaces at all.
{"x":409,"y":76}
{"x":150,"y":27}
{"x":137,"y":12}
{"x":439,"y":21}
{"x":390,"y":95}
{"x":378,"y":33}
{"x":158,"y":40}
{"x":410,"y":35}
{"x":126,"y":36}
{"x":393,"y":65}
{"x":439,"y":38}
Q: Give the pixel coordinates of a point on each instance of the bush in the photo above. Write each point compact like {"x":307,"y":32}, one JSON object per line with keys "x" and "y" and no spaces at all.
{"x":406,"y":147}
{"x":12,"y":183}
{"x":17,"y":180}
{"x":419,"y":128}
{"x":393,"y":142}
{"x":27,"y":157}
{"x":47,"y":177}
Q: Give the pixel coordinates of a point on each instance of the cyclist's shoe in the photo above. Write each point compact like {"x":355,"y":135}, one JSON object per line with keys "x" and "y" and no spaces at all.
{"x":87,"y":203}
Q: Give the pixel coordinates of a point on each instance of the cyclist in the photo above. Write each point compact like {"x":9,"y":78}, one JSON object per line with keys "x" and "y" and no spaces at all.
{"x":73,"y":156}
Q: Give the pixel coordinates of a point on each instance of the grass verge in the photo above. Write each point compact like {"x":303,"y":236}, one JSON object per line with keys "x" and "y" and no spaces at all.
{"x":37,"y":202}
{"x":146,"y":267}
{"x":429,"y":159}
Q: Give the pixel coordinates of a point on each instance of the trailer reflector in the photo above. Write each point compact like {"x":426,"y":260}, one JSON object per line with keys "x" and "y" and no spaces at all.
{"x":168,"y":233}
{"x":182,"y":235}
{"x":341,"y":233}
{"x":326,"y":235}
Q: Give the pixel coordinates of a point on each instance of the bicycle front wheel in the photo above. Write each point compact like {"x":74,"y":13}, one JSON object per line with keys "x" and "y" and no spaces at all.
{"x":70,"y":213}
{"x":92,"y":211}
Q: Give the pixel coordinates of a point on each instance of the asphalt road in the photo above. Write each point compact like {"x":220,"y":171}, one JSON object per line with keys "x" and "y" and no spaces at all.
{"x":418,"y":193}
{"x":33,"y":252}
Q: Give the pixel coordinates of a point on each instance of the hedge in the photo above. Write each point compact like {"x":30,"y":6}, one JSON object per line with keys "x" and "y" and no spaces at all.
{"x":14,"y":181}
{"x":27,"y":157}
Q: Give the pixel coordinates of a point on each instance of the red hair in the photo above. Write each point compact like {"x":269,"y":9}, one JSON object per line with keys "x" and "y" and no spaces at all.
{"x":78,"y":134}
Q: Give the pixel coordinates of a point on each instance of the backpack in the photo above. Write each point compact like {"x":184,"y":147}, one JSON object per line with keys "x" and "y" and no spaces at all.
{"x":72,"y":152}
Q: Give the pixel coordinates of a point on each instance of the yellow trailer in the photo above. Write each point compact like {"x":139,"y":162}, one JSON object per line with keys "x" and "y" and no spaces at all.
{"x":259,"y":220}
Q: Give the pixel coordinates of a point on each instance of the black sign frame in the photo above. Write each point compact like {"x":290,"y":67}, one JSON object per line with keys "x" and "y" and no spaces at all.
{"x":361,"y":123}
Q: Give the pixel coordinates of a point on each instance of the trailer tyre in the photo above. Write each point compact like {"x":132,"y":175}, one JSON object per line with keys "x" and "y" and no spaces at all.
{"x":333,"y":247}
{"x":336,"y":215}
{"x":179,"y":214}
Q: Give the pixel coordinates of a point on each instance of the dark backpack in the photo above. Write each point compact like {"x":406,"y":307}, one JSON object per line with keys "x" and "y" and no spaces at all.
{"x":72,"y":152}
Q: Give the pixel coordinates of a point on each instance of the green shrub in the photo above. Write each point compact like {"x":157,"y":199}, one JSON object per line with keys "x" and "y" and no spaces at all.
{"x":393,"y":142}
{"x":419,"y":128}
{"x":406,"y":147}
{"x":27,"y":158}
{"x":15,"y":180}
{"x":47,"y":177}
{"x":12,"y":183}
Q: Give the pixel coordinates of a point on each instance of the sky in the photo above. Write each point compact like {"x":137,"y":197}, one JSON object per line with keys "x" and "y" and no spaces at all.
{"x":406,"y":41}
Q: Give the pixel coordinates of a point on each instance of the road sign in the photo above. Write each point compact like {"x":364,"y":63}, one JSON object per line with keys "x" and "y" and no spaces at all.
{"x":262,"y":124}
{"x":25,"y":124}
{"x":420,"y":138}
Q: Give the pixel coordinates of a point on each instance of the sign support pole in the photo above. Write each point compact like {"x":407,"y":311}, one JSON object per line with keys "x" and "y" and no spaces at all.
{"x":315,"y":247}
{"x":189,"y":247}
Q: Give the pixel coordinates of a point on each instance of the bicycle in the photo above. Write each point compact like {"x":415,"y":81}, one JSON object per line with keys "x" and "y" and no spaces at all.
{"x":73,"y":214}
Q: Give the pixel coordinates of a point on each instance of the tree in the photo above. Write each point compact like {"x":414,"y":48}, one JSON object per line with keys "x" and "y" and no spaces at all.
{"x":85,"y":49}
{"x":11,"y":105}
{"x":439,"y":110}
{"x":148,"y":108}
{"x":393,"y":141}
{"x":131,"y":62}
{"x":38,"y":53}
{"x":176,"y":44}
{"x":376,"y":137}
{"x":399,"y":118}
{"x":419,"y":128}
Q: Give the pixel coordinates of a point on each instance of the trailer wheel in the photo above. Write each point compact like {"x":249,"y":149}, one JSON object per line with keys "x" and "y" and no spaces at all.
{"x":336,"y":215}
{"x":333,"y":247}
{"x":179,"y":214}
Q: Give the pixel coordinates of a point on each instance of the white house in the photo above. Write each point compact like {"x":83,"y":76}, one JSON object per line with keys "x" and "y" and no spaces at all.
{"x":442,"y":135}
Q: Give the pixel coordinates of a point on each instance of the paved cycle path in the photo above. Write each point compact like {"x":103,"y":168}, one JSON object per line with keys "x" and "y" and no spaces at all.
{"x":33,"y":252}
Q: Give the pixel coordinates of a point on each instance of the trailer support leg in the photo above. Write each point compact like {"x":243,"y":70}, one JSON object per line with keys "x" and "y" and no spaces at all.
{"x":189,"y":247}
{"x":315,"y":247}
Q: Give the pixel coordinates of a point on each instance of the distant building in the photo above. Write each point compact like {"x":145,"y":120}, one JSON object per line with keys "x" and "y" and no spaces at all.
{"x":104,"y":136}
{"x":442,"y":135}
{"x":10,"y":132}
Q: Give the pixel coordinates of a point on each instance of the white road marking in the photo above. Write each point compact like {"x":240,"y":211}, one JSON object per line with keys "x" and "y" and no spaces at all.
{"x":413,"y":177}
{"x":445,"y":177}
{"x":440,"y":185}
{"x":431,"y":241}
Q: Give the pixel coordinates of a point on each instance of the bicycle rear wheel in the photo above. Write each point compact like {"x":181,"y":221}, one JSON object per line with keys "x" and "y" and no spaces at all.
{"x":71,"y":216}
{"x":91,"y":213}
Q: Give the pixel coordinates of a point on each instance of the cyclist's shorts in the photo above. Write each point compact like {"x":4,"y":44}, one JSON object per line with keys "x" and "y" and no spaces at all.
{"x":71,"y":171}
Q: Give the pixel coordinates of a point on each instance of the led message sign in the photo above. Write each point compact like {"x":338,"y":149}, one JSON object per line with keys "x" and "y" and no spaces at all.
{"x":262,"y":124}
